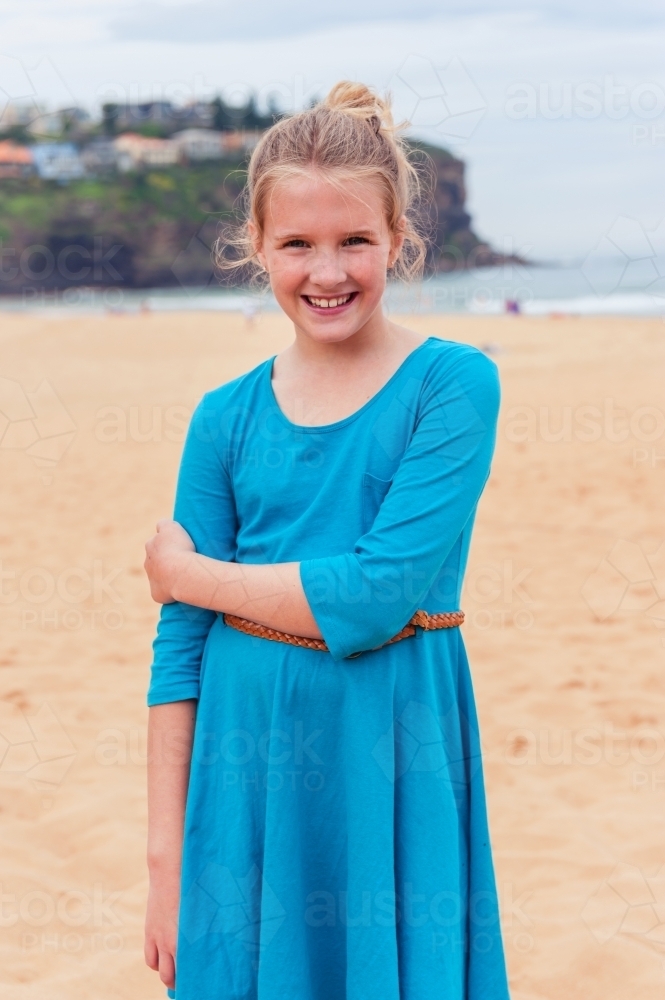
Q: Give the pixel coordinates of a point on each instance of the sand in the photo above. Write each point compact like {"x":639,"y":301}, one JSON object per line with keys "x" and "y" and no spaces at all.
{"x":565,"y":599}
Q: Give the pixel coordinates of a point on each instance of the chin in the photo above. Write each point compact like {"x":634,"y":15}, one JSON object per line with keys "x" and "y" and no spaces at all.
{"x":332,"y":334}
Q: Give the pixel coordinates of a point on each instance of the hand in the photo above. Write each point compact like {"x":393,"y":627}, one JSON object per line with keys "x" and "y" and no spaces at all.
{"x":161,"y":927}
{"x":164,"y":559}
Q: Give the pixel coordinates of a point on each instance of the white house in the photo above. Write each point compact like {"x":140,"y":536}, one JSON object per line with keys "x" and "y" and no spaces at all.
{"x":57,"y":161}
{"x":133,"y":150}
{"x":199,"y":144}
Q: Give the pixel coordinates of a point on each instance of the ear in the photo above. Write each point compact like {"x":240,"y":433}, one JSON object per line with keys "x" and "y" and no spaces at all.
{"x":257,"y":243}
{"x":397,"y":241}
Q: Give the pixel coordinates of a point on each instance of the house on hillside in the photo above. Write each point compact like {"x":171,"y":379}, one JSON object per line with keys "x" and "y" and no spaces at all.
{"x":127,"y":116}
{"x":241,"y":141}
{"x":195,"y":114}
{"x":58,"y":161}
{"x":20,"y":113}
{"x":199,"y":144}
{"x":61,"y":122}
{"x":99,"y":156}
{"x":15,"y":160}
{"x":134,"y":151}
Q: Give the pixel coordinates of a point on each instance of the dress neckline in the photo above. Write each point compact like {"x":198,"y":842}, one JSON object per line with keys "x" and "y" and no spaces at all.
{"x":318,"y":428}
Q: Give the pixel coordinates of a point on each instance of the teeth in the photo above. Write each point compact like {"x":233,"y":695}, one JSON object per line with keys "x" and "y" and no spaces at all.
{"x":329,"y":303}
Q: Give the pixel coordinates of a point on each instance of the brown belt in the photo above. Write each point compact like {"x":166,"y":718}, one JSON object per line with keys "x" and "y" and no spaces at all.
{"x":421,"y":619}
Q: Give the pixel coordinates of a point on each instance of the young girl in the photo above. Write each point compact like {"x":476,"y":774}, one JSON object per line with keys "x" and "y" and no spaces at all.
{"x":334,"y":844}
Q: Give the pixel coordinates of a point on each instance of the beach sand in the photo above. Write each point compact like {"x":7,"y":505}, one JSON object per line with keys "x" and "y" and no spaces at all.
{"x":563,"y":613}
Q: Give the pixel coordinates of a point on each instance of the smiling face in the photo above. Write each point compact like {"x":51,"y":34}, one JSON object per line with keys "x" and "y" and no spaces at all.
{"x":327,"y":246}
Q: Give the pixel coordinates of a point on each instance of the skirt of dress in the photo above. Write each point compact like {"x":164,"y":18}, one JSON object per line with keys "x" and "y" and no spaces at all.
{"x":336,"y":840}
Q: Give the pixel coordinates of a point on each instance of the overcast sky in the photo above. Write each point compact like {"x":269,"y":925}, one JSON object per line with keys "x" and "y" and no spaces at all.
{"x":487,"y":80}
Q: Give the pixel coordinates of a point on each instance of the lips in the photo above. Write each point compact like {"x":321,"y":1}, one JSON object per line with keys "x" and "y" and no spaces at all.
{"x":329,"y":303}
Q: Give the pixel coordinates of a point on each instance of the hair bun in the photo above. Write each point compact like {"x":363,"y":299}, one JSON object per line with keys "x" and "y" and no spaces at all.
{"x":351,"y":131}
{"x":359,"y":101}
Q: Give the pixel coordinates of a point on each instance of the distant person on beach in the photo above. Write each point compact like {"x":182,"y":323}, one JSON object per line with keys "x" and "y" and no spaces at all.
{"x":249,"y":311}
{"x":317,"y":817}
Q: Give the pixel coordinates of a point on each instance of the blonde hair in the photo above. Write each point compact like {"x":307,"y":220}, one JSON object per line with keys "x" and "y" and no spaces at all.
{"x":351,"y":132}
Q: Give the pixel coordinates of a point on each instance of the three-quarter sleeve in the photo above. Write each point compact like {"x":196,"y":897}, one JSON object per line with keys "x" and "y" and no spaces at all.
{"x":204,"y":506}
{"x":360,"y":599}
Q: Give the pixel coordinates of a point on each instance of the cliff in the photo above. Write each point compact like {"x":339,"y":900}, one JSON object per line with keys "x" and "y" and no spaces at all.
{"x":155,"y":228}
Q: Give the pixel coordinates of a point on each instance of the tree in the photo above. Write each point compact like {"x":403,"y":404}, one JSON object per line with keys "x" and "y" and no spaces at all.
{"x":109,"y":118}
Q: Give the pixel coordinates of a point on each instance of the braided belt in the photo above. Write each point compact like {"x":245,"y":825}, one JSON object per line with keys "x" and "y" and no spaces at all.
{"x":421,"y":619}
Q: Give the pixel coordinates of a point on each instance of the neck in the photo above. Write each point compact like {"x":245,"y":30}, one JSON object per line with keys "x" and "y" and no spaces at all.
{"x":374,"y":338}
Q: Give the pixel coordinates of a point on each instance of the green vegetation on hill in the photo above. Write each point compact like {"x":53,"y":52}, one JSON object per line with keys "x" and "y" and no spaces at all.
{"x":155,"y":228}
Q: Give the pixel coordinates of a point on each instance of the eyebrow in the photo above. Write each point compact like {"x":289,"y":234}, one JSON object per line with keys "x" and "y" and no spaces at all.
{"x":302,"y":236}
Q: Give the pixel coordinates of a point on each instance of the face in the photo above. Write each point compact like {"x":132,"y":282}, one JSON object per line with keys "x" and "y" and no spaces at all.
{"x":327,"y":247}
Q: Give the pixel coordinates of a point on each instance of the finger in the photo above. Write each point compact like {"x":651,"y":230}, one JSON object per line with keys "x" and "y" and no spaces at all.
{"x":163,"y":523}
{"x":167,"y":969}
{"x":151,"y":954}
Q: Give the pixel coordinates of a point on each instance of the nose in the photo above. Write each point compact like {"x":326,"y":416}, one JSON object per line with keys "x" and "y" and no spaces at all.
{"x":327,"y":270}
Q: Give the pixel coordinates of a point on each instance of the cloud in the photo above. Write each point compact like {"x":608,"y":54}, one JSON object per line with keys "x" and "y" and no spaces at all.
{"x":215,"y":21}
{"x":208,"y":21}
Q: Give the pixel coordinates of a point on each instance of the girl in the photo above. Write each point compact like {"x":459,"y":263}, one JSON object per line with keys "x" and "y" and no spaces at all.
{"x":334,"y":844}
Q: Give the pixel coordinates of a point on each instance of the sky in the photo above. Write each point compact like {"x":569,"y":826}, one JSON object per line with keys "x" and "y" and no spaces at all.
{"x":557,"y":108}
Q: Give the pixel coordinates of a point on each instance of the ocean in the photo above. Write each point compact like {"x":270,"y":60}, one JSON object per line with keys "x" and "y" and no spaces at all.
{"x":609,"y":286}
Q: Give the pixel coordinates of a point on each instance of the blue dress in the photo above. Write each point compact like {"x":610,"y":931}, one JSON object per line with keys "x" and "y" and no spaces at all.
{"x":336,"y":842}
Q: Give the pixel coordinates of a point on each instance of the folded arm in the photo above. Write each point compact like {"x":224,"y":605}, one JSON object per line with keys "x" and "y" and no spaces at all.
{"x":271,"y":595}
{"x":362,"y":598}
{"x":415,"y":550}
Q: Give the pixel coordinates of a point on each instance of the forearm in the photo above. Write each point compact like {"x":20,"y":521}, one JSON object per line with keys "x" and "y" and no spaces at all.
{"x":170,"y":736}
{"x":271,"y":595}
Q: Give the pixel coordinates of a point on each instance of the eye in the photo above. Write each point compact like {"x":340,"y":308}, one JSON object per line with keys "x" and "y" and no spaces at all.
{"x":295,"y":243}
{"x":354,"y":241}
